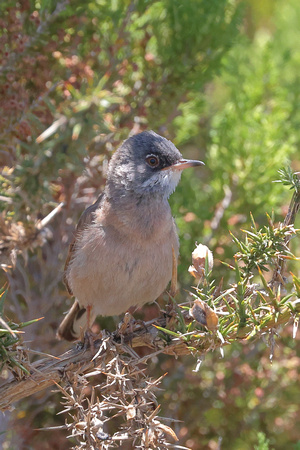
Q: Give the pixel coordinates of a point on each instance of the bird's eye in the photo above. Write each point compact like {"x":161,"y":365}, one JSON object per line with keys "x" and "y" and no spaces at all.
{"x":152,"y":161}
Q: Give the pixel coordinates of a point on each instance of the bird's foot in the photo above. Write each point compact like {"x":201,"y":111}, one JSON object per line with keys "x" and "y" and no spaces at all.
{"x":127,"y":327}
{"x":171,"y":305}
{"x":89,"y":339}
{"x":127,"y":321}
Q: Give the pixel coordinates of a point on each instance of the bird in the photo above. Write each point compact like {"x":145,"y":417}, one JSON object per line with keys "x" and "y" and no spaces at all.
{"x":122,"y":251}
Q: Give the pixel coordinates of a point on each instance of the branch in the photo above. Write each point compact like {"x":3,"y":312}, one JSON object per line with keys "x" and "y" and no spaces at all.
{"x":289,"y":220}
{"x":79,"y":359}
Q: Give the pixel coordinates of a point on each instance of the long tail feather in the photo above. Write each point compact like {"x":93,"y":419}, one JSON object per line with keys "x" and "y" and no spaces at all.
{"x":73,"y":323}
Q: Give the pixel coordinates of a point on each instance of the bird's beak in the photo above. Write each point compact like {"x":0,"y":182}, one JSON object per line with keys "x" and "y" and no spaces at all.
{"x":184,"y":164}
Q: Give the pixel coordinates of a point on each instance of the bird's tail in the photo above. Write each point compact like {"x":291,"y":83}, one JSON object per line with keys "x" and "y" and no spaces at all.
{"x":74,"y":323}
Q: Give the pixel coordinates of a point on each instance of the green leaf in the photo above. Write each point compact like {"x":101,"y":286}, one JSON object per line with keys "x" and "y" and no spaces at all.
{"x":165,"y":330}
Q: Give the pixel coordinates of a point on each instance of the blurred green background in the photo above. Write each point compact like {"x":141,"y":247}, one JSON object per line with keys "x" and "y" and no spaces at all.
{"x":221,"y":79}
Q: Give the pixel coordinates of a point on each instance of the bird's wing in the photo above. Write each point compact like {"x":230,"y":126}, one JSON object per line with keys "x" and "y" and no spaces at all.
{"x":86,"y":218}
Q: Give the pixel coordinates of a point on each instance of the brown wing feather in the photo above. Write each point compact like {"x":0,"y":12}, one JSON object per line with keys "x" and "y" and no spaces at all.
{"x":86,"y":218}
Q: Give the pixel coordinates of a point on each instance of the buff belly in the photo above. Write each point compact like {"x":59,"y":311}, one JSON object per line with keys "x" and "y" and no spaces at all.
{"x":111,"y":281}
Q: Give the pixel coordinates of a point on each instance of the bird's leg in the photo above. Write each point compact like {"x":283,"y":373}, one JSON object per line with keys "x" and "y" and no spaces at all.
{"x":134,"y":321}
{"x":89,"y":336}
{"x":88,"y":313}
{"x":127,"y":320}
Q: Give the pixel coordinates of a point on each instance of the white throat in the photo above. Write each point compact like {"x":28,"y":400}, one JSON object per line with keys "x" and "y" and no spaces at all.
{"x":165,"y":180}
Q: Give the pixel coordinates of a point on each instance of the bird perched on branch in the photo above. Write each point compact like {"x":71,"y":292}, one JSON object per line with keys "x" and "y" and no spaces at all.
{"x":121,"y":254}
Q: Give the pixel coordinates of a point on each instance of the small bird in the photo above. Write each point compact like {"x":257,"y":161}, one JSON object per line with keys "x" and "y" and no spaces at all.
{"x":122,"y":251}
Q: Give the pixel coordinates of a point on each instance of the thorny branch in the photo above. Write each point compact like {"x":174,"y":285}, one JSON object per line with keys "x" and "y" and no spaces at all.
{"x":107,"y":388}
{"x":80,"y":359}
{"x":15,"y":239}
{"x":288,"y":221}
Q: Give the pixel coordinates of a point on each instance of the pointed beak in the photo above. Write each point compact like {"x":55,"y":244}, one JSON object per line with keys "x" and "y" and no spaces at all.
{"x":184,"y":164}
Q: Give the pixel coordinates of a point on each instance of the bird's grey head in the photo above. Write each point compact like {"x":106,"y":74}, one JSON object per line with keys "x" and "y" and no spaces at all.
{"x":146,"y":164}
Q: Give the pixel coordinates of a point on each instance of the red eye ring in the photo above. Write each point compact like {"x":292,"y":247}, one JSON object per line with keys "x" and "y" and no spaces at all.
{"x":152,"y":161}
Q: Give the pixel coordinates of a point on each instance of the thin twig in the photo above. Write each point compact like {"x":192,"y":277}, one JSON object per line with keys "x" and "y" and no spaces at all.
{"x":289,"y":220}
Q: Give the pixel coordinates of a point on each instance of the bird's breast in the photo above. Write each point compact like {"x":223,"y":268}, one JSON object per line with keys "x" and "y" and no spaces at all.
{"x":113,"y":269}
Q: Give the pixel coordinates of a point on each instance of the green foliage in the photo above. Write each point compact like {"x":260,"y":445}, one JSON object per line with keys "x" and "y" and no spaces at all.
{"x":99,"y":69}
{"x":263,"y":442}
{"x":262,"y":246}
{"x":249,"y":127}
{"x":245,"y":309}
{"x":10,"y":356}
{"x":288,"y":178}
{"x":245,"y":126}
